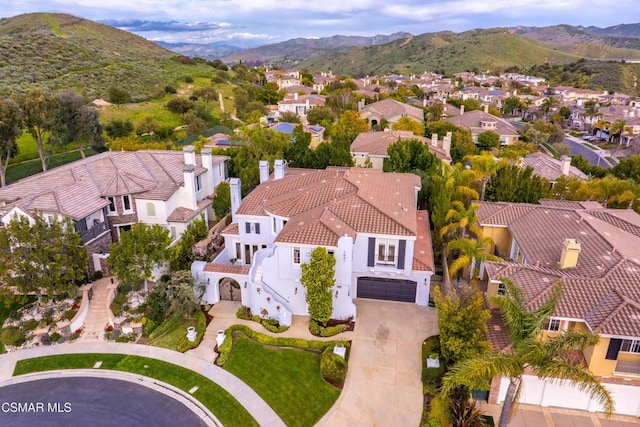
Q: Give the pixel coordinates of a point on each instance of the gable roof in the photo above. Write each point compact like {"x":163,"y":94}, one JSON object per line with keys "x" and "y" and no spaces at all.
{"x":80,"y":188}
{"x":549,"y":168}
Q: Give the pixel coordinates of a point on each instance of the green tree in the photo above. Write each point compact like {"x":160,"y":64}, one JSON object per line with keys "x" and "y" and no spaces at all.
{"x":459,"y":220}
{"x":181,"y":254}
{"x":410,"y":155}
{"x":462,"y":322}
{"x":40,"y":117}
{"x":348,"y":126}
{"x":207,"y":94}
{"x":468,"y":252}
{"x":318,"y":278}
{"x":488,"y":140}
{"x":118,"y":96}
{"x":483,"y":166}
{"x":269,"y":94}
{"x":512,"y":105}
{"x":10,"y":131}
{"x":222,"y":200}
{"x":546,"y":357}
{"x":320,"y":116}
{"x":139,"y":251}
{"x":180,"y":105}
{"x":117,"y":128}
{"x":79,"y":122}
{"x":183,"y":295}
{"x":289,"y":117}
{"x":44,"y":257}
{"x":407,"y":123}
{"x":514,"y":184}
{"x":461,"y":140}
{"x":628,"y":168}
{"x":148,"y":125}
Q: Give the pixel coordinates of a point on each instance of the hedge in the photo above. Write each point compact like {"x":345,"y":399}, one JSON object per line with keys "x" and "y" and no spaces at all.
{"x":333,"y":367}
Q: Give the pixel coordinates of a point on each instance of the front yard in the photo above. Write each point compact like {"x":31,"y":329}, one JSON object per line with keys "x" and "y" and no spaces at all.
{"x":286,"y":373}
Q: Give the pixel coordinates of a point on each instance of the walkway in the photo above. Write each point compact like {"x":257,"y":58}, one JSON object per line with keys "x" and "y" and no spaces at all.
{"x":264,"y":415}
{"x":97,"y":317}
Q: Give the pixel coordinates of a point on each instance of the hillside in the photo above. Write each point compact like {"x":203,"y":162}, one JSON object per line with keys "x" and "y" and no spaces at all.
{"x":585,"y":42}
{"x":59,"y":51}
{"x":214,"y":50}
{"x":447,"y":52}
{"x":289,"y":52}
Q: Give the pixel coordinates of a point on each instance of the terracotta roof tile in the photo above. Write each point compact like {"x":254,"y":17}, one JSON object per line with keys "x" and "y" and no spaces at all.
{"x":422,"y":249}
{"x":227,"y":268}
{"x":377,"y":143}
{"x":182,"y":214}
{"x":232,"y":229}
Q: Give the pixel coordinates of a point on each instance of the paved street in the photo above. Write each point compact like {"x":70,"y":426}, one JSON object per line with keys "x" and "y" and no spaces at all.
{"x":594,"y":158}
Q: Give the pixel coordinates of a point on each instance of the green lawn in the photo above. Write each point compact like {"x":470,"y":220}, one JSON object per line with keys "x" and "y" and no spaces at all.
{"x":170,"y":338}
{"x":225,"y":407}
{"x":32,"y":167}
{"x":288,"y":380}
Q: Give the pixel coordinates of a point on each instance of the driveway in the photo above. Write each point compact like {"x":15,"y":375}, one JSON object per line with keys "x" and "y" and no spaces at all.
{"x":383,"y":385}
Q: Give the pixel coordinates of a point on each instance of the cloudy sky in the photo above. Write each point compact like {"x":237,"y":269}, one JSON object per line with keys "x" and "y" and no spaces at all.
{"x":257,"y":22}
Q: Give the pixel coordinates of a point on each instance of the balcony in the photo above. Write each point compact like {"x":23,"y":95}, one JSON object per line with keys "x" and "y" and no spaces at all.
{"x":98,"y":229}
{"x":627,"y":368}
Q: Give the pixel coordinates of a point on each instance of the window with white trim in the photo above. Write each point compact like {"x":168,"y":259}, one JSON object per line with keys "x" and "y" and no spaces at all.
{"x":111,"y":209}
{"x":296,"y":255}
{"x":553,"y":325}
{"x":151,"y":209}
{"x":502,"y":289}
{"x":126,"y":204}
{"x":630,"y":346}
{"x":387,"y":251}
{"x":198,"y":182}
{"x":275,"y":222}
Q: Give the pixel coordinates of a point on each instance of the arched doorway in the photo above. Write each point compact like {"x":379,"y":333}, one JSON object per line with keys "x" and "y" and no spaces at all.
{"x":229,"y":289}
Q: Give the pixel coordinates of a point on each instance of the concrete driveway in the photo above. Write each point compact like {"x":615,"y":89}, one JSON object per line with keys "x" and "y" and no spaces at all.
{"x":383,"y":385}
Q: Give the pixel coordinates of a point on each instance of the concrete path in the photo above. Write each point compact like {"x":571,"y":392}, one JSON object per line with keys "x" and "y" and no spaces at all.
{"x":384,"y":386}
{"x":264,"y":415}
{"x":96,"y":319}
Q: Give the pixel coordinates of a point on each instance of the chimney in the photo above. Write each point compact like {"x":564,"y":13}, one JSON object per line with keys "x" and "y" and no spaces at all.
{"x":566,"y":165}
{"x":278,"y":169}
{"x":295,"y":96}
{"x":434,"y":139}
{"x":207,"y":163}
{"x":189,"y":155}
{"x":424,"y":102}
{"x":486,"y":108}
{"x":570,"y":252}
{"x":360,"y":105}
{"x":188,"y":172}
{"x":264,"y":171}
{"x":236,"y":196}
{"x":461,"y":109}
{"x":446,"y":144}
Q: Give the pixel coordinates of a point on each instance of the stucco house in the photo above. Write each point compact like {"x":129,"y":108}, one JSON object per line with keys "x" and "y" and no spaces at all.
{"x":479,"y":121}
{"x":551,"y":169}
{"x":595,"y":253}
{"x":389,"y":110}
{"x":365,"y":218}
{"x":300,"y":104}
{"x":104,"y":195}
{"x":371,"y":147}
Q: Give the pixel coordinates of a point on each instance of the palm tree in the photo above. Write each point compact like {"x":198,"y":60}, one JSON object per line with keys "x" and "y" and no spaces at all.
{"x":545,"y":356}
{"x":483,"y":166}
{"x":461,"y":218}
{"x":470,"y":251}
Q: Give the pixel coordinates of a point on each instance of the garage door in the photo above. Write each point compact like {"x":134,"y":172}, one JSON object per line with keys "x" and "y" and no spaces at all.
{"x":387,"y":289}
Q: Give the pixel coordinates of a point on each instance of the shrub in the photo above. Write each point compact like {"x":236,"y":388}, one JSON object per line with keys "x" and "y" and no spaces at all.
{"x":170,"y":89}
{"x":224,"y":350}
{"x":70,"y":314}
{"x":30,"y":325}
{"x":45,"y":339}
{"x":333,"y":367}
{"x":55,"y":337}
{"x":274,"y":327}
{"x":439,"y":412}
{"x":12,"y":335}
{"x":164,"y":327}
{"x":116,"y":309}
{"x":184,"y":344}
{"x":48,"y":320}
{"x":314,"y":328}
{"x":256,"y":318}
{"x":333,"y":330}
{"x":97,"y":275}
{"x":74,"y":336}
{"x":243,"y":312}
{"x":120,"y":298}
{"x":126,"y":338}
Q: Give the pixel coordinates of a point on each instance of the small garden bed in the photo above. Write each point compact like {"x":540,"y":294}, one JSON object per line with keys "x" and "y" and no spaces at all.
{"x":435,"y":408}
{"x":271,"y":325}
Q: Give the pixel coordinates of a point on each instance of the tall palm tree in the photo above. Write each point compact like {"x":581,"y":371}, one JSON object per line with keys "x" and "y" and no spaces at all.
{"x":461,"y":219}
{"x":545,"y":356}
{"x":470,"y":251}
{"x":483,"y":166}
